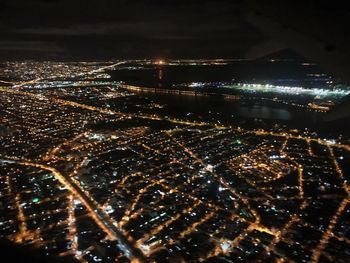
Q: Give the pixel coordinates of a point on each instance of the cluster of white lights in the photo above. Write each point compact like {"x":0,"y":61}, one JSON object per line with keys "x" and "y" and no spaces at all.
{"x":292,"y":90}
{"x":196,"y":84}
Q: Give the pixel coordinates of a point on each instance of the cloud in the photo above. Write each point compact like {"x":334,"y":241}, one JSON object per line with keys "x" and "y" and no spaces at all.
{"x":150,"y":29}
{"x":121,"y":28}
{"x":37,"y":46}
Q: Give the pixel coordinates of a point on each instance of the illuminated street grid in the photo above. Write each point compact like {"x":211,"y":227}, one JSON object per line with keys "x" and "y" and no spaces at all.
{"x":82,"y":180}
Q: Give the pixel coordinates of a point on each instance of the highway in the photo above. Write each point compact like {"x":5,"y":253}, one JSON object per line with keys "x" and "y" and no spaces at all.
{"x":96,"y":213}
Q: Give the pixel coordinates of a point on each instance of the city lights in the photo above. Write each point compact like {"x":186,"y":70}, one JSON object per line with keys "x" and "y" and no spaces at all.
{"x":106,"y":170}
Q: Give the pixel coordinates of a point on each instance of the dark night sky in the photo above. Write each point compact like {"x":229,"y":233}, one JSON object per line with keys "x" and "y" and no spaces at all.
{"x":124,"y":28}
{"x":109,"y":29}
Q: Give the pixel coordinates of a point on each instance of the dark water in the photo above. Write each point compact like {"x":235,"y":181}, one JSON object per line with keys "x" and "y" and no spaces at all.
{"x":281,"y":72}
{"x":227,"y":110}
{"x":290,"y":72}
{"x":265,"y":112}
